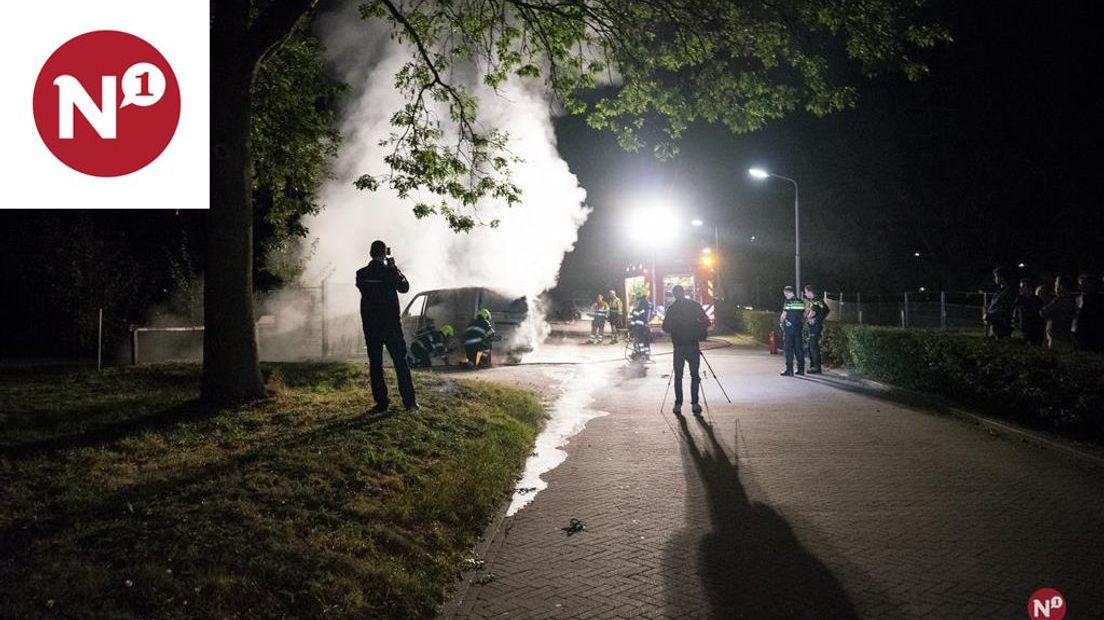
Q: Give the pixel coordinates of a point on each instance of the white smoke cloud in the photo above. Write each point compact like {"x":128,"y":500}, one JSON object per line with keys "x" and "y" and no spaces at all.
{"x":521,"y":257}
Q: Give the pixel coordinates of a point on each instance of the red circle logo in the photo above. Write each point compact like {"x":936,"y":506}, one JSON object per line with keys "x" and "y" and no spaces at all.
{"x":1046,"y":604}
{"x":106,"y":103}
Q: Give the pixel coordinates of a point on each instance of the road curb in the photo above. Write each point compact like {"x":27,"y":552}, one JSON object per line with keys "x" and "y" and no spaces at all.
{"x":482,"y":551}
{"x":998,"y":427}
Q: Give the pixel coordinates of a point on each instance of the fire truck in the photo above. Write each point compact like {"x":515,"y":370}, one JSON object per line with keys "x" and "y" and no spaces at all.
{"x":697,"y":276}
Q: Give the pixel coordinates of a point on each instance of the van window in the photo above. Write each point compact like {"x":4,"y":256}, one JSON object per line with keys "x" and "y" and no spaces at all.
{"x":414,"y":308}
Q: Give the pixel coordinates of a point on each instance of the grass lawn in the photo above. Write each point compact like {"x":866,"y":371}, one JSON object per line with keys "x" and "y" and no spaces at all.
{"x":121,"y":497}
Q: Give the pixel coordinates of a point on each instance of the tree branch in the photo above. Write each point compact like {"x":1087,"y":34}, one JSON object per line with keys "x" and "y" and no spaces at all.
{"x":274,"y":25}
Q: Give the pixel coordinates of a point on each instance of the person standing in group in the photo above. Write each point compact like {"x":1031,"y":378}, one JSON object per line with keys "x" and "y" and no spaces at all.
{"x":688,"y":325}
{"x":598,"y":320}
{"x":998,"y":316}
{"x":1088,"y":324}
{"x":814,"y":318}
{"x":616,"y":314}
{"x":1059,"y":314}
{"x":380,"y":283}
{"x":793,"y":313}
{"x":638,"y":327}
{"x":1028,"y":306}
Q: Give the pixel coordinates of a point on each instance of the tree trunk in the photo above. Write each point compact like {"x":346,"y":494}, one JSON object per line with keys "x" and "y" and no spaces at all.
{"x":231,"y":365}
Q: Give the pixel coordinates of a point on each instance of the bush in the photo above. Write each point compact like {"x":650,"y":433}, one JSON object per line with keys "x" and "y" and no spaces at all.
{"x":758,"y":323}
{"x":1062,"y":392}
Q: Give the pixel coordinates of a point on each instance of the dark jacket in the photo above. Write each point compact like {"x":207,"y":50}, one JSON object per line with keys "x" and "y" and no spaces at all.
{"x":820,"y":311}
{"x":1002,"y":306}
{"x":686,"y":322}
{"x":793,"y":313}
{"x":478,"y":331}
{"x":1088,"y":324}
{"x":1059,"y":315}
{"x":379,"y":287}
{"x":641,"y":313}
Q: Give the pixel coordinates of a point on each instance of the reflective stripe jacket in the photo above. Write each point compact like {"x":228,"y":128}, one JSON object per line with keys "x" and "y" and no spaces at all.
{"x":795,"y":312}
{"x":478,"y":331}
{"x":819,"y":310}
{"x":641,"y":314}
{"x":432,"y":340}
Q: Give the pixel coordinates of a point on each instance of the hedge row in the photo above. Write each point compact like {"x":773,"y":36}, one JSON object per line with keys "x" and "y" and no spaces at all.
{"x":1062,"y":392}
{"x":1056,"y":391}
{"x":758,"y":323}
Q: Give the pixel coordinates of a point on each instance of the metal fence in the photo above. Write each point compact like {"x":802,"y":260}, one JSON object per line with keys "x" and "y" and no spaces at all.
{"x":922,"y":309}
{"x":295,"y":323}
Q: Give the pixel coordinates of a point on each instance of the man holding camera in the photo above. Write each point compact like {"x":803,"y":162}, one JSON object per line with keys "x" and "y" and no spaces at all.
{"x":380,"y":282}
{"x":688,"y":325}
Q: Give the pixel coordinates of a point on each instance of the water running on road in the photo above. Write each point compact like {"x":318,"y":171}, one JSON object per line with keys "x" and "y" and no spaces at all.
{"x":568,"y":418}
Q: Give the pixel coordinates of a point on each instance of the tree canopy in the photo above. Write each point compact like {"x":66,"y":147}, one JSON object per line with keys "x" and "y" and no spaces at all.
{"x":642,"y":69}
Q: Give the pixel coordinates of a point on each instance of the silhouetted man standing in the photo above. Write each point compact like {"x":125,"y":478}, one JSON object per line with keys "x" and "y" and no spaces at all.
{"x":380,"y":282}
{"x":688,"y":325}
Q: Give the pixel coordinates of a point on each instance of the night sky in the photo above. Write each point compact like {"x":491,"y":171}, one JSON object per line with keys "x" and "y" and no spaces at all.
{"x":991,"y":159}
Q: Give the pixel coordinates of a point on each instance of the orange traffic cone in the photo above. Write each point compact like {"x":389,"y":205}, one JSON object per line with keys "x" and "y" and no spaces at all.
{"x":773,"y":343}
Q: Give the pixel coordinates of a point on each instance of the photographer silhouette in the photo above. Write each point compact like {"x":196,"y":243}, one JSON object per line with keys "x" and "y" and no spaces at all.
{"x":380,"y":282}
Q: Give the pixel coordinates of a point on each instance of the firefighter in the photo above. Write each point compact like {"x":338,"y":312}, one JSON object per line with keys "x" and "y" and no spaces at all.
{"x":616,"y":315}
{"x":814,"y":318}
{"x":638,"y":327}
{"x":477,"y":339}
{"x":793,"y":311}
{"x":428,"y":343}
{"x":598,"y":320}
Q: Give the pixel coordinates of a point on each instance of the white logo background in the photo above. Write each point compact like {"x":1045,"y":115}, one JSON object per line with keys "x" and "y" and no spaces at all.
{"x":32,"y":178}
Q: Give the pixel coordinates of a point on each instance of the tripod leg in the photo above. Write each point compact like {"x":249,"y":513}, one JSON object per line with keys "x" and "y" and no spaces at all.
{"x":715,"y":377}
{"x":666,"y":392}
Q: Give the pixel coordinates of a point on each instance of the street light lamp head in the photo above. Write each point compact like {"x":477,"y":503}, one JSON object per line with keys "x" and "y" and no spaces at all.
{"x":758,"y":173}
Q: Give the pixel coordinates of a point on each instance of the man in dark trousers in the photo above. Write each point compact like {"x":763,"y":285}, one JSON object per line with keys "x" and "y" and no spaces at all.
{"x":793,"y":313}
{"x":998,"y":316}
{"x":639,"y":332}
{"x":380,"y":282}
{"x":1088,"y":323}
{"x":814,"y":318}
{"x":688,"y":325}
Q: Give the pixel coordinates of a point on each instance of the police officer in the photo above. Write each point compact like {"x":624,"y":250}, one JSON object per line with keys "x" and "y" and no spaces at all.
{"x":477,"y":339}
{"x":793,"y":313}
{"x":380,"y":282}
{"x":428,"y":343}
{"x":814,"y":318}
{"x":638,"y":327}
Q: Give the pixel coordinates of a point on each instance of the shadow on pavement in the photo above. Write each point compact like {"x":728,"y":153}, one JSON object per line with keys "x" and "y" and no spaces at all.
{"x":889,"y":394}
{"x":749,"y":563}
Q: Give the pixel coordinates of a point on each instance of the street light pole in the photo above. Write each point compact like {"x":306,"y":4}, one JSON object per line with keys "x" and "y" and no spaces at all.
{"x":655,"y":294}
{"x":716,"y":263}
{"x":762,"y":174}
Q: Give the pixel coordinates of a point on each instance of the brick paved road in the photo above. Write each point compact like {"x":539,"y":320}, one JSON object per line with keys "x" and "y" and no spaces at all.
{"x":799,"y":500}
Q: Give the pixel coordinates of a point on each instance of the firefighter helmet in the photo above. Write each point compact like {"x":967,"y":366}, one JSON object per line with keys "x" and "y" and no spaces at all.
{"x":447,"y":331}
{"x":485,"y":313}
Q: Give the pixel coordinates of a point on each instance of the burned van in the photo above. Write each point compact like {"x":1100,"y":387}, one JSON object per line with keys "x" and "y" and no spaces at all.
{"x":457,"y":306}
